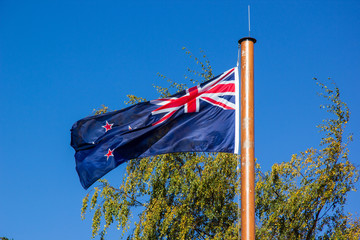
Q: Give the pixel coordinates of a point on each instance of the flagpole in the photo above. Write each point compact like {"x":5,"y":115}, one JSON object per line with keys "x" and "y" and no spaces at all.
{"x":247,"y":139}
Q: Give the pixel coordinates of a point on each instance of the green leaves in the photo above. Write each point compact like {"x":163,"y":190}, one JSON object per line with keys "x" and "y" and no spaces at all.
{"x":304,"y":198}
{"x":192,"y":196}
{"x":101,"y":110}
{"x":206,"y":69}
{"x":205,"y":73}
{"x":133,"y":99}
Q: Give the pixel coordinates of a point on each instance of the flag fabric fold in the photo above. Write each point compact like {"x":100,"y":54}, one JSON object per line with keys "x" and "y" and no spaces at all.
{"x":204,"y":118}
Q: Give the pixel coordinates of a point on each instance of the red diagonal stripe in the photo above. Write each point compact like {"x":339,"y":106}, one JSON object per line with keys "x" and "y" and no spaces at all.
{"x":230,"y":71}
{"x":222,"y":88}
{"x":193,"y":93}
{"x":166,"y":116}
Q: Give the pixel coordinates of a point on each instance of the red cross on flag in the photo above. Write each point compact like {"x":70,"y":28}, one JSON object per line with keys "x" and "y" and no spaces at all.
{"x":213,"y":93}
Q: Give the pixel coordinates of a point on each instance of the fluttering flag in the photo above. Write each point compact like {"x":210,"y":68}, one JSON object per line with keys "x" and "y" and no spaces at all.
{"x":204,"y":118}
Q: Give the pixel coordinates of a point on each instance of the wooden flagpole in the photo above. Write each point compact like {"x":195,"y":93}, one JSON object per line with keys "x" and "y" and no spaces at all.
{"x":247,"y":139}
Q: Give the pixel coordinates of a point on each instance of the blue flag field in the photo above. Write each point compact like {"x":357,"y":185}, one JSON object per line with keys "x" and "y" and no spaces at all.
{"x":204,"y":118}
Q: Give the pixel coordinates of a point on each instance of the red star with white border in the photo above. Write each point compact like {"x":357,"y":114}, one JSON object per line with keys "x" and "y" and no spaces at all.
{"x":109,"y":154}
{"x":108,"y":126}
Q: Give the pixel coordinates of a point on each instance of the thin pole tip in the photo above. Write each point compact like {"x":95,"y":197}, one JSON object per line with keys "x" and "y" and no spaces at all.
{"x":247,"y":38}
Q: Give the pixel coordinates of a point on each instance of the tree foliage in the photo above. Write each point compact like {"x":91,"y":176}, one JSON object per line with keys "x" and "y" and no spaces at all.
{"x":304,"y":198}
{"x":192,"y":196}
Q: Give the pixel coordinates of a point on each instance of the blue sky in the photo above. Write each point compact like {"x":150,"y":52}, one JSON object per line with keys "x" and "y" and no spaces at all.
{"x":61,"y":59}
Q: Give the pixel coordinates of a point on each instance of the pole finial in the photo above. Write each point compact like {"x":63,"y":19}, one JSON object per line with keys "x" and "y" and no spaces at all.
{"x":247,"y":38}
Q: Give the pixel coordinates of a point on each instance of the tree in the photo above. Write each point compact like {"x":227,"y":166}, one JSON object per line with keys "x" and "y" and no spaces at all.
{"x":192,"y":196}
{"x":305,"y":197}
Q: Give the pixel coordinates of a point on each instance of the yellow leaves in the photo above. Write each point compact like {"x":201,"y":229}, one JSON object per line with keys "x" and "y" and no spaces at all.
{"x":192,"y":196}
{"x":348,"y":227}
{"x":84,"y":206}
{"x":94,"y":198}
{"x":186,"y":223}
{"x":101,"y":110}
{"x":96,"y":222}
{"x":310,"y":189}
{"x":134,"y":99}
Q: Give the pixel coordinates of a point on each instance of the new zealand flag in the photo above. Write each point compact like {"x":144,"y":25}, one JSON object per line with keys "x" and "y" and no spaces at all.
{"x":204,"y":118}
